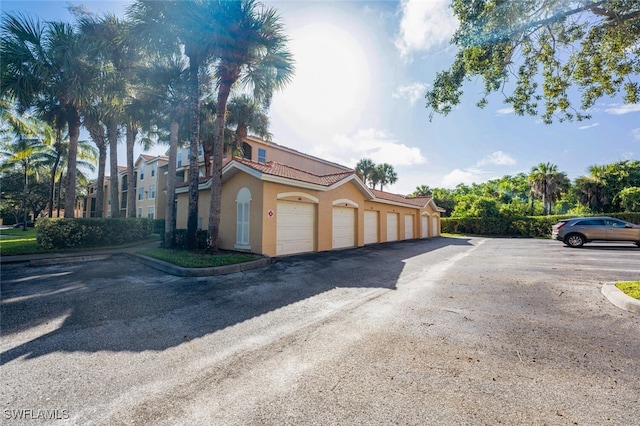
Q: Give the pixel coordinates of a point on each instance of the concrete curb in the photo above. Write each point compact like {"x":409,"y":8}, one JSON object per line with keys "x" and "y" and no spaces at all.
{"x":620,"y":299}
{"x":179,"y":271}
{"x":71,"y":259}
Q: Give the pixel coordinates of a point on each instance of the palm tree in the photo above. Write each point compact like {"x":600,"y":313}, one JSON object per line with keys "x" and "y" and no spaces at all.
{"x":103,"y":35}
{"x":422,"y":191}
{"x":94,"y":123}
{"x":25,"y":152}
{"x":548,"y":183}
{"x":164,"y":86}
{"x":168,"y":26}
{"x":365,"y":168}
{"x":251,"y":50}
{"x":246,"y":114}
{"x":387,"y":174}
{"x":49,"y":62}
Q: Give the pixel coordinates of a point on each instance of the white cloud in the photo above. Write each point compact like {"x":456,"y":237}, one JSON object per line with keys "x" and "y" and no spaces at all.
{"x":476,"y":173}
{"x":375,"y":144}
{"x":505,"y":111}
{"x":498,"y":158}
{"x":457,"y":176}
{"x":424,"y":24}
{"x":588,"y":126}
{"x":619,"y":109}
{"x":636,"y":133}
{"x":412,"y":92}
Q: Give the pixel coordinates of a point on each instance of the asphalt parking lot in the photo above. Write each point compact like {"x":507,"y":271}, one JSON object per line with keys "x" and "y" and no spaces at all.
{"x":442,"y":331}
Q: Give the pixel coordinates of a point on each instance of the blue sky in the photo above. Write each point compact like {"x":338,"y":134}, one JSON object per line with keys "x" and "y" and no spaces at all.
{"x":362,"y":69}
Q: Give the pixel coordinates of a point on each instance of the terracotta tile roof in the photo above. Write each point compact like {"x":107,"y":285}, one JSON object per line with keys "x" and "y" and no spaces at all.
{"x":282,"y":170}
{"x":415,"y":201}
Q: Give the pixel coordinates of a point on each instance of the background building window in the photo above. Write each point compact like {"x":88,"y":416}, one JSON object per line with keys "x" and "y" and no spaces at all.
{"x":141,"y":172}
{"x":141,"y":193}
{"x":139,"y":211}
{"x":153,"y":169}
{"x":152,"y":192}
{"x":150,"y":212}
{"x":262,"y":155}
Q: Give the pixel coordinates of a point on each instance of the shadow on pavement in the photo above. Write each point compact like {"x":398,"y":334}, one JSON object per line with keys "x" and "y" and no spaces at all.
{"x":122,"y":305}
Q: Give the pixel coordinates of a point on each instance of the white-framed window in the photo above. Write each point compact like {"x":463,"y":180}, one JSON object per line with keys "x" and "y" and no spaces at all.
{"x":179,"y":159}
{"x":152,"y":192}
{"x":141,"y":172}
{"x":139,"y":211}
{"x":141,"y":193}
{"x":243,"y":203}
{"x":153,"y":169}
{"x":109,"y":213}
{"x":150,"y":212}
{"x":262,"y":155}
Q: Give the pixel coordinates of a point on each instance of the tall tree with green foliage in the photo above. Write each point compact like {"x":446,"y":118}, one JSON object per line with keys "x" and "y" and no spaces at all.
{"x":250,"y":50}
{"x":48,"y":63}
{"x":421,"y":191}
{"x":244,"y":114}
{"x":548,"y":183}
{"x":387,"y":174}
{"x":365,"y":168}
{"x":535,"y":51}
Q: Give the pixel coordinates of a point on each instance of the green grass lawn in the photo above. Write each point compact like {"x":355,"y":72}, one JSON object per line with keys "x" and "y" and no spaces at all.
{"x":17,"y":241}
{"x":189,"y":259}
{"x":630,"y":288}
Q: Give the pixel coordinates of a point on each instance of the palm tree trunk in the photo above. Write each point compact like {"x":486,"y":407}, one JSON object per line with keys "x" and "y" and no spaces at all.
{"x":131,"y":179}
{"x":114,"y":185}
{"x":59,"y":203}
{"x":170,"y":217}
{"x":25,"y":191}
{"x":70,"y":189}
{"x":102,"y":163}
{"x":52,"y":189}
{"x":216,"y":175}
{"x":194,"y":110}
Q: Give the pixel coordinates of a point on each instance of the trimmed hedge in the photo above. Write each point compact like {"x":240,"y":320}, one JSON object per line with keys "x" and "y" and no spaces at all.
{"x":95,"y":232}
{"x":531,"y":226}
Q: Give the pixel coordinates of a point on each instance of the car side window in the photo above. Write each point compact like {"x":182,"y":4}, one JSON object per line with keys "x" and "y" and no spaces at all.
{"x":615,"y":223}
{"x":591,"y":222}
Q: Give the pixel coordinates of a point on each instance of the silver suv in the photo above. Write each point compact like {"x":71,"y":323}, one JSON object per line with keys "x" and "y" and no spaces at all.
{"x":578,"y":231}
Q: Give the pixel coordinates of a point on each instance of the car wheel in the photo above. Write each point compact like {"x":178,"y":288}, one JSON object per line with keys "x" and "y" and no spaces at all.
{"x":574,"y":240}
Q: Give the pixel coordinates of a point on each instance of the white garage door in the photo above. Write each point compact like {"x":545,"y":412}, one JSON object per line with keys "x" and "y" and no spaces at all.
{"x":434,"y":227}
{"x":408,"y":227}
{"x":370,"y":227}
{"x":344,"y":227}
{"x":424,"y":232}
{"x":392,"y":226}
{"x":295,"y":227}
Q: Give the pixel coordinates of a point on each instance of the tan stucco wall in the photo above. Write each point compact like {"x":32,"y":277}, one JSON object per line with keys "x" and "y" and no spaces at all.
{"x":228,"y":215}
{"x":383,"y":209}
{"x":262,"y":233}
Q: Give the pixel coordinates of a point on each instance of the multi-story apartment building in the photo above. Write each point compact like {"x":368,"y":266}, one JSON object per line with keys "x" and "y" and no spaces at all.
{"x":150,"y":182}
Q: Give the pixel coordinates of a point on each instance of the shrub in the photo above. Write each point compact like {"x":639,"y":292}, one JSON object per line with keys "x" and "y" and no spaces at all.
{"x":530,"y":226}
{"x":180,"y":239}
{"x":158,"y":226}
{"x":81,"y":233}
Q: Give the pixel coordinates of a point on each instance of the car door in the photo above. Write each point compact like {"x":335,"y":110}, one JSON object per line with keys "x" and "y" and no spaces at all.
{"x":618,"y":230}
{"x":593,"y":229}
